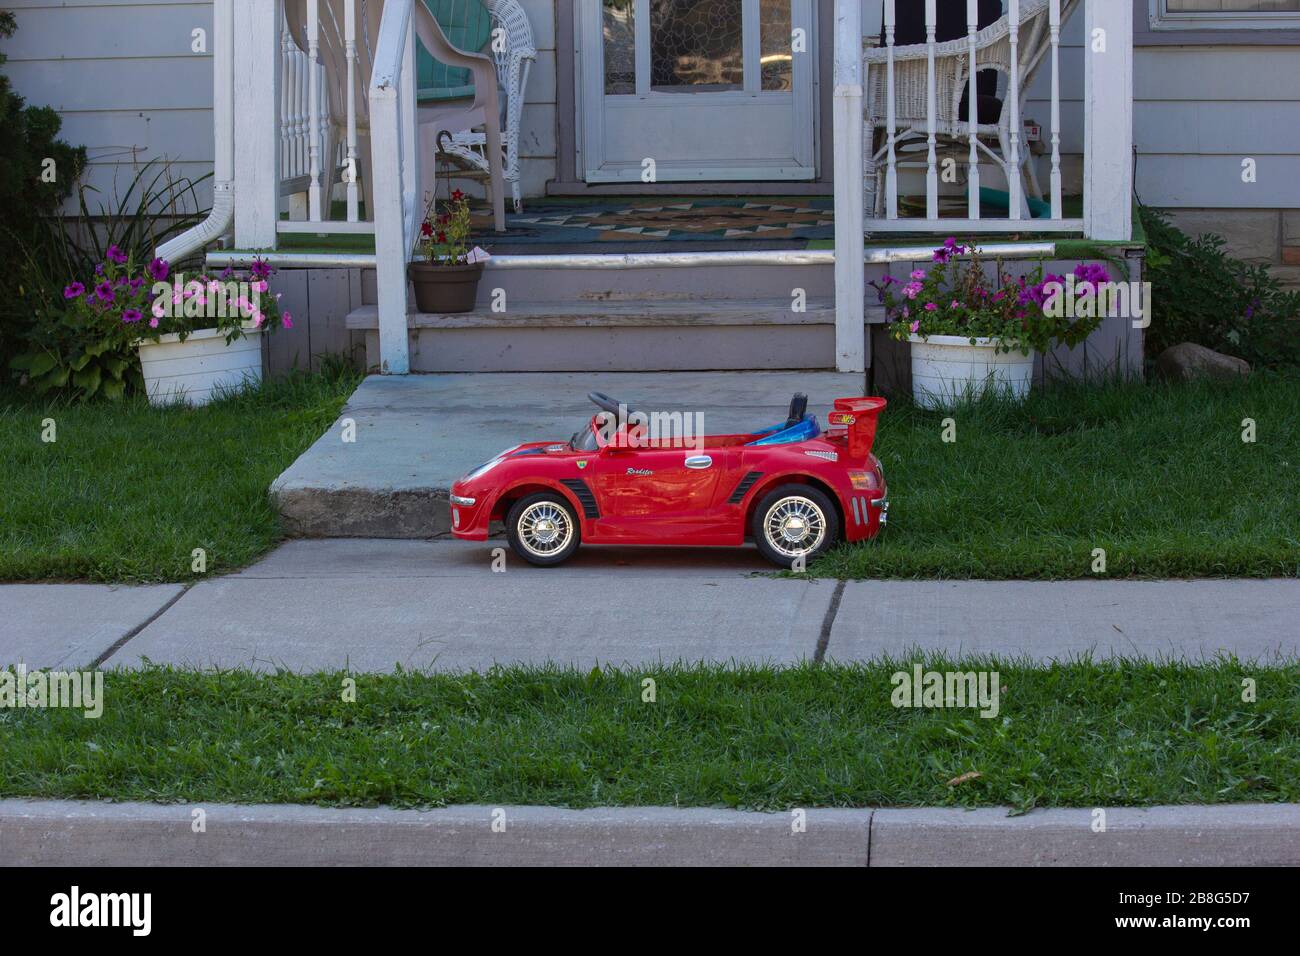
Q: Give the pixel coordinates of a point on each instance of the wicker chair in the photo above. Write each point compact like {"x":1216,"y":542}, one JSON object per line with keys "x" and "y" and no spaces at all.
{"x":514,"y":58}
{"x":952,"y":83}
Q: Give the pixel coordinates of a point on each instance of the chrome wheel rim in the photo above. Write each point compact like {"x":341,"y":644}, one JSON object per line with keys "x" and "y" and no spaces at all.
{"x":794,"y":526}
{"x":545,"y":529}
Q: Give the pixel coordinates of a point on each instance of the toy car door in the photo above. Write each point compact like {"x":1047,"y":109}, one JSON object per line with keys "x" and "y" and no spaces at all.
{"x":661,"y":495}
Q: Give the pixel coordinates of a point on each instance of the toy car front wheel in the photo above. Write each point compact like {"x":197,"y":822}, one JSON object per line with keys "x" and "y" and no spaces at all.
{"x":793,"y":523}
{"x":543,"y":529}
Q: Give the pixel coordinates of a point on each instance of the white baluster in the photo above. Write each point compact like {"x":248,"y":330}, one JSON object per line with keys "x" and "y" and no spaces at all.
{"x":1013,"y":90}
{"x":293,"y":114}
{"x":931,"y":171}
{"x":350,"y":46}
{"x":972,"y":113}
{"x":1055,"y":21}
{"x":313,"y":108}
{"x":891,"y":168}
{"x":286,"y":107}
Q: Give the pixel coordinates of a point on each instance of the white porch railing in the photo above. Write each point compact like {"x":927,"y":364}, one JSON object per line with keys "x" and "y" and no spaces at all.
{"x":893,"y":96}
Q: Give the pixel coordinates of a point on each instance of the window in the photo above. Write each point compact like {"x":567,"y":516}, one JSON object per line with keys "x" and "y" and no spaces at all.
{"x":1225,"y":14}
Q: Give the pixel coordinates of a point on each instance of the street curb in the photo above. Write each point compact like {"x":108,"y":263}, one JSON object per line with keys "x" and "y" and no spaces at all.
{"x":83,"y":833}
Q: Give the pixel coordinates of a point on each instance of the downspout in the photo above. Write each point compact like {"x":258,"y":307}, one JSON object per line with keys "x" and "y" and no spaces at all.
{"x":223,"y":118}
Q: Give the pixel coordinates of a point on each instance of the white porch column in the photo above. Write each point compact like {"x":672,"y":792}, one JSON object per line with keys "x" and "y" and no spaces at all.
{"x":850,"y":243}
{"x":257,"y":123}
{"x":1108,"y":112}
{"x":392,"y":144}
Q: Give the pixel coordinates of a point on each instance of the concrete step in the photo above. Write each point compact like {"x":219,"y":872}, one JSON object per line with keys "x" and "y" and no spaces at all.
{"x":638,"y":335}
{"x":416,"y":434}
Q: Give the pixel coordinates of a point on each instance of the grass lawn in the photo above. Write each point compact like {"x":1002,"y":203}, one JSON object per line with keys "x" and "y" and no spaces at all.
{"x":1157,"y":476}
{"x":1082,"y":734}
{"x":127,"y":492}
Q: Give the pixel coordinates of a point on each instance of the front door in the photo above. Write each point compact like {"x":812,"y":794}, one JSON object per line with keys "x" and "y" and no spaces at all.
{"x":697,"y":90}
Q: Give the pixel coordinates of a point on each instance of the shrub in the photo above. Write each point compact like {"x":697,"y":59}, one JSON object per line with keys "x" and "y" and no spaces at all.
{"x":1202,"y":295}
{"x":31,"y":189}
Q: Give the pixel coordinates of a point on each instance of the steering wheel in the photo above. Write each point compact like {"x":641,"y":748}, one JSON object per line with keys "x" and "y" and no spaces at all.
{"x":604,"y":402}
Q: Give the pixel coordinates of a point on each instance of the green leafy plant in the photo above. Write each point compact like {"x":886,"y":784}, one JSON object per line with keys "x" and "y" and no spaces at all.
{"x":1200,"y":294}
{"x":957,"y":297}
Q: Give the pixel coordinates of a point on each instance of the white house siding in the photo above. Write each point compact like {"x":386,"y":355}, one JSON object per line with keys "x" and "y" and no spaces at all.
{"x":122,"y":75}
{"x":1199,"y":112}
{"x":537,"y":138}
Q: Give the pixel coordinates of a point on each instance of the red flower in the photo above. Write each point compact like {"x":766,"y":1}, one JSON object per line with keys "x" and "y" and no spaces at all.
{"x":442,"y":237}
{"x":444,"y":219}
{"x":457,"y":195}
{"x":426,"y":230}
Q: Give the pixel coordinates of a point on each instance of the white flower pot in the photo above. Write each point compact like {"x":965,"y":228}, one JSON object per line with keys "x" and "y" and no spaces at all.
{"x":195,"y":370}
{"x":947,"y":369}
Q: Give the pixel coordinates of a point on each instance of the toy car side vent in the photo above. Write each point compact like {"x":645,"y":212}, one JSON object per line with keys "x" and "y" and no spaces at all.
{"x":584,"y":495}
{"x":742,"y":489}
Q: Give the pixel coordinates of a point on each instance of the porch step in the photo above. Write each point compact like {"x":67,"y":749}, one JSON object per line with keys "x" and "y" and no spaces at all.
{"x":638,"y":335}
{"x":573,"y":279}
{"x":558,"y":315}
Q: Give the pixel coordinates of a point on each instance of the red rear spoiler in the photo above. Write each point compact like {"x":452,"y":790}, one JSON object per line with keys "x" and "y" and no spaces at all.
{"x":859,"y":416}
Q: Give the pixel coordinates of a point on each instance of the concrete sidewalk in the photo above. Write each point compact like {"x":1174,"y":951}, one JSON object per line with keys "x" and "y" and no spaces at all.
{"x":368,"y":605}
{"x":76,"y":833}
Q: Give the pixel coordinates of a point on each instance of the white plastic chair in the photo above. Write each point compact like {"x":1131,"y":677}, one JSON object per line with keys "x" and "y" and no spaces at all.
{"x":952,"y":79}
{"x":514,"y":56}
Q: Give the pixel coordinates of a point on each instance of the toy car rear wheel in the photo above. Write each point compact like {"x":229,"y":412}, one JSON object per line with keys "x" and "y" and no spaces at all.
{"x":543,"y":529}
{"x":794,"y":522}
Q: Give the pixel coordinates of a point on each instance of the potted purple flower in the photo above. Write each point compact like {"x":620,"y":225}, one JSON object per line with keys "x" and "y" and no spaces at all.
{"x":974,"y":330}
{"x":195,"y":336}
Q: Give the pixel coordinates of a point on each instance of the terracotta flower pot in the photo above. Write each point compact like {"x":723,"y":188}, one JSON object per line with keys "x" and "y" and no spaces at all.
{"x":441,"y":289}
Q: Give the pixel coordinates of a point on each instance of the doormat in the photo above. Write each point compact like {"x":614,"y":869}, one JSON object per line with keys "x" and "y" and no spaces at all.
{"x":651,"y":220}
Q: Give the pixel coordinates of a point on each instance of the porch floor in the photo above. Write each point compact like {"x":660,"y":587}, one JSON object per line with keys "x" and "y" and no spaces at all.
{"x":645,"y":224}
{"x":417,"y":434}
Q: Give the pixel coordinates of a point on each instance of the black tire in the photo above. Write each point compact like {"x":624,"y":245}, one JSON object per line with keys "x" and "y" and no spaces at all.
{"x":804,"y":503}
{"x":528,"y":541}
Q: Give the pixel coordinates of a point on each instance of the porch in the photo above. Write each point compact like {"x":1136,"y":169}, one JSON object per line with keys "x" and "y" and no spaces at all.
{"x":703,"y":290}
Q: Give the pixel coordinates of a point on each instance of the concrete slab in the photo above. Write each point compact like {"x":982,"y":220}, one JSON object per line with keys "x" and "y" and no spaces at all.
{"x":75,"y":833}
{"x":370,"y":605}
{"x":415,"y":435}
{"x":1051,"y":620}
{"x":68,"y":626}
{"x":1230,"y":835}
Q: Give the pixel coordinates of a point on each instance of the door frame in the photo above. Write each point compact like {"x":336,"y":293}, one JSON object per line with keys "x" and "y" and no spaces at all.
{"x":588,"y":138}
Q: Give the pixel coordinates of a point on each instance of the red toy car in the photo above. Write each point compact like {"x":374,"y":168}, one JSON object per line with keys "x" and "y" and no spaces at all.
{"x":793,"y":488}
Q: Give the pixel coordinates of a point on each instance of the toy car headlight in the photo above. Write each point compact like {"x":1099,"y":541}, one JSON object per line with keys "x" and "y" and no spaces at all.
{"x":483,"y":469}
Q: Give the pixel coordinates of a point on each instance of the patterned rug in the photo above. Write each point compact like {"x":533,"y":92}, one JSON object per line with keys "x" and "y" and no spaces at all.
{"x":652,"y":220}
